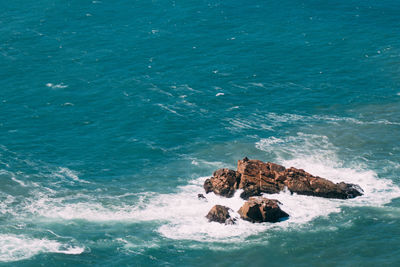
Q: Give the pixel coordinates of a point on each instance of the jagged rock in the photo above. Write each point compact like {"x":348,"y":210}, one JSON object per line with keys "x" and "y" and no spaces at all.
{"x":220,"y":214}
{"x":263,"y":177}
{"x":256,"y":177}
{"x":259,"y":209}
{"x":303,"y":183}
{"x":224,"y":182}
{"x":250,"y":190}
{"x":259,"y":177}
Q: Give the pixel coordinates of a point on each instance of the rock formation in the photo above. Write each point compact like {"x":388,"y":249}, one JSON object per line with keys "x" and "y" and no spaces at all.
{"x":256,"y":177}
{"x":224,"y":182}
{"x":220,"y":214}
{"x":259,"y":209}
{"x":260,"y":177}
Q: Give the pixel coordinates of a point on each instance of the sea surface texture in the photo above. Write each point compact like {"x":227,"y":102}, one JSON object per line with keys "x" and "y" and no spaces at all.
{"x":113,"y":113}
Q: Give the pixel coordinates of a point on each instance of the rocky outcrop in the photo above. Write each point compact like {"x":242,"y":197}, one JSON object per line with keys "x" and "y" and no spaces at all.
{"x":261,"y":177}
{"x":220,"y":214}
{"x":256,"y":177}
{"x":303,"y":183}
{"x":224,"y":182}
{"x":259,"y":209}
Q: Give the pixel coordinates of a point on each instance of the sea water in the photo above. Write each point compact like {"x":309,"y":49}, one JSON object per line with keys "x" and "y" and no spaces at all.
{"x":113,"y":113}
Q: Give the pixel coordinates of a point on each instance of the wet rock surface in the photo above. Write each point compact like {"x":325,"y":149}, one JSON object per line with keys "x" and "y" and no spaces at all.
{"x":260,"y":209}
{"x":256,"y":177}
{"x":224,"y":182}
{"x":220,"y":214}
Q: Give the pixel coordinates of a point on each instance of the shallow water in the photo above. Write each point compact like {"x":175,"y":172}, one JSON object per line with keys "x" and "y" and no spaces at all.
{"x":112,"y":114}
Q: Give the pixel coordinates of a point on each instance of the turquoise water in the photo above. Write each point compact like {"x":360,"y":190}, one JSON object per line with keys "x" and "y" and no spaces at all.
{"x":113,"y":113}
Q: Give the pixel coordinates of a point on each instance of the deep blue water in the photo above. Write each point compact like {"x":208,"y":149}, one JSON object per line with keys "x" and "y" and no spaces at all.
{"x":112,"y":114}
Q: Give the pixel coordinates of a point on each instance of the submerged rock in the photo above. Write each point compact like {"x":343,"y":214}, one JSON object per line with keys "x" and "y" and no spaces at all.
{"x":201,"y":196}
{"x":256,"y":177}
{"x":259,"y":209}
{"x":224,"y":182}
{"x":220,"y":214}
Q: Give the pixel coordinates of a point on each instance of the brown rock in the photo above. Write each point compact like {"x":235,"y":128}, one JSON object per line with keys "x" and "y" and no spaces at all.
{"x":250,"y":190}
{"x":259,"y":209}
{"x":224,"y":182}
{"x":259,"y":177}
{"x":219,"y":214}
{"x":301,"y":182}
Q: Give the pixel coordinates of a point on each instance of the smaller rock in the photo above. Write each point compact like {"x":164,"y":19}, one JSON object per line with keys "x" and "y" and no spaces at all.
{"x":260,"y":209}
{"x":220,"y":214}
{"x":201,"y":196}
{"x":208,"y":187}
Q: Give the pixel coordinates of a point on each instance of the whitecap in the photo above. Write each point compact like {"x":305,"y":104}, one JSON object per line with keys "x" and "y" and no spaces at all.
{"x":56,"y":86}
{"x":68,"y":104}
{"x":70,"y":174}
{"x":19,"y":247}
{"x":181,"y":215}
{"x":258,"y":85}
{"x":316,"y":155}
{"x":21,"y":183}
{"x":169,"y":109}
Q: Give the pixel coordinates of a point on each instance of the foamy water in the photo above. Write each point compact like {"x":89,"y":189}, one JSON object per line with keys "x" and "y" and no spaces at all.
{"x":19,"y":247}
{"x":182,"y":216}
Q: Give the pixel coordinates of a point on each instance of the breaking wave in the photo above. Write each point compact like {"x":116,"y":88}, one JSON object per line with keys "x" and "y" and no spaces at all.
{"x":19,"y":247}
{"x":181,"y":215}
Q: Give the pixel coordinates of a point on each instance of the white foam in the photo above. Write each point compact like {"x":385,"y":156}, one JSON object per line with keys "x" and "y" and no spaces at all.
{"x":56,"y":86}
{"x":180,"y":215}
{"x":215,"y":164}
{"x":271,"y":121}
{"x":169,"y":109}
{"x":316,"y":155}
{"x":19,"y":247}
{"x":5,"y":204}
{"x":70,"y":174}
{"x":232,"y":108}
{"x":133,"y":244}
{"x":66,"y":175}
{"x":258,"y":85}
{"x":241,"y":124}
{"x":18,"y":181}
{"x":68,"y":104}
